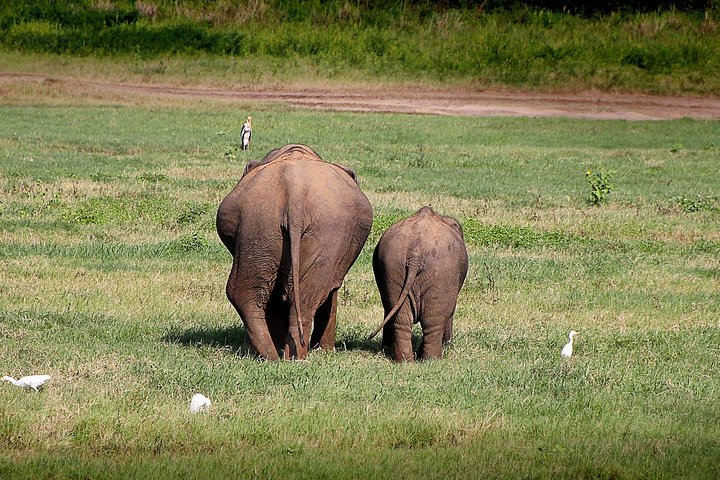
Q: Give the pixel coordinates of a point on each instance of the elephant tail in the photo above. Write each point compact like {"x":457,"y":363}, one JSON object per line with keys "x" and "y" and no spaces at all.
{"x":410,"y":274}
{"x":295,"y":232}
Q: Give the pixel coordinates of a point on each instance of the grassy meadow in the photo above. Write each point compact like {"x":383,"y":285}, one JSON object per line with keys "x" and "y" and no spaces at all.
{"x":112,"y":281}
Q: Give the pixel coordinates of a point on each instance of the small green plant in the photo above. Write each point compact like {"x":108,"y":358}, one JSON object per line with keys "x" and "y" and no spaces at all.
{"x":152,"y":177}
{"x":698,"y":203}
{"x":600,"y":185}
{"x":193,"y":242}
{"x":231,"y":152}
{"x":191,"y":214}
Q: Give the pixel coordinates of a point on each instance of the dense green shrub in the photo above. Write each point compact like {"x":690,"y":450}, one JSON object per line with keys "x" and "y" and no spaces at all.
{"x":70,"y":14}
{"x":381,"y":11}
{"x":519,"y":46}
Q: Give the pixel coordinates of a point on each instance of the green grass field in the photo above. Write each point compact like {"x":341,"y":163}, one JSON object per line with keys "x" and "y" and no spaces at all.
{"x":112,"y":281}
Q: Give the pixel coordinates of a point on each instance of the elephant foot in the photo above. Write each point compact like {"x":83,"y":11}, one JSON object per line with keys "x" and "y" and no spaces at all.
{"x":291,"y":352}
{"x":265,"y":350}
{"x":404,"y":357}
{"x":269,"y":356}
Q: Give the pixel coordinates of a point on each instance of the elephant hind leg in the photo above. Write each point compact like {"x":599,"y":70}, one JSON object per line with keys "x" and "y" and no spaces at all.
{"x":388,"y":336}
{"x":401,"y":341}
{"x":255,"y":323}
{"x":277,"y":321}
{"x":448,"y":332}
{"x":323,"y":334}
{"x":295,"y":349}
{"x":259,"y":334}
{"x":434,"y":331}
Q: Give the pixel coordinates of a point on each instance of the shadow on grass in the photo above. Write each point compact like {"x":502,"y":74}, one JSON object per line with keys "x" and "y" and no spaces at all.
{"x":354,"y":342}
{"x":235,"y":339}
{"x":352,"y":338}
{"x":232,"y":338}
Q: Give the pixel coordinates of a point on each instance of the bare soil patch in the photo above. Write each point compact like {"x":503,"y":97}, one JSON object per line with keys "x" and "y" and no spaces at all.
{"x":404,"y":99}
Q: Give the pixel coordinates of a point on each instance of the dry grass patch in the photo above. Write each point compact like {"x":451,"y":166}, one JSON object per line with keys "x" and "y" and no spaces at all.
{"x":228,"y":172}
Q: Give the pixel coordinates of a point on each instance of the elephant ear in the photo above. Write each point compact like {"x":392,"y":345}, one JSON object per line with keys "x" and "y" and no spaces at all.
{"x":272,"y":154}
{"x":347,"y":170}
{"x":454,"y":224}
{"x":250,"y":165}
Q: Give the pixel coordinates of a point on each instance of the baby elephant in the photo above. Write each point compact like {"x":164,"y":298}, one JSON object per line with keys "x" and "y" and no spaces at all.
{"x":420,"y":265}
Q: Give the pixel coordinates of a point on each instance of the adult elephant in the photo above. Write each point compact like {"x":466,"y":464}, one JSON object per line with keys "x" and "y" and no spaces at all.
{"x":294,"y":225}
{"x":420,"y":264}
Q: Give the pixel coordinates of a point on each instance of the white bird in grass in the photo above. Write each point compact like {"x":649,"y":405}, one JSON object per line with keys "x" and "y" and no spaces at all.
{"x":246,"y":134}
{"x":199,"y":402}
{"x":567,"y":350}
{"x":30,"y":381}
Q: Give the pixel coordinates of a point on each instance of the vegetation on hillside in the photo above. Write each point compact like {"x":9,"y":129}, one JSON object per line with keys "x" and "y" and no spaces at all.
{"x":535,"y":45}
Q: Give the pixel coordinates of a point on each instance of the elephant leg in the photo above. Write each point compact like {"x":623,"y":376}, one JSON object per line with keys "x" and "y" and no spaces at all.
{"x":323,"y":334}
{"x":244,"y":300}
{"x":434,"y":330}
{"x":402,"y":350}
{"x":277,"y":321}
{"x":388,"y":337}
{"x":257,"y":329}
{"x":294,"y":348}
{"x":448,"y":332}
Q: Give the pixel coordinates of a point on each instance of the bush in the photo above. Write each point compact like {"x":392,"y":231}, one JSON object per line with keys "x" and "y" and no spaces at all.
{"x":600,"y":185}
{"x":68,"y":14}
{"x":525,"y":46}
{"x":34,"y":36}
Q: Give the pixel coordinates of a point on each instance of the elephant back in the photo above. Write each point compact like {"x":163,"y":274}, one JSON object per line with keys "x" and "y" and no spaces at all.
{"x":294,"y":176}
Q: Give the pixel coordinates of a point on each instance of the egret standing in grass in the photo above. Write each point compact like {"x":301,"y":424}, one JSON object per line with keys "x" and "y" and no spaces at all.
{"x":246,"y":134}
{"x":30,"y":381}
{"x":199,"y":402}
{"x":567,"y":350}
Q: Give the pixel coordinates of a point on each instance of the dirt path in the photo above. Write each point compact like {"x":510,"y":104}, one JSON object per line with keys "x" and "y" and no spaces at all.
{"x":422,"y":101}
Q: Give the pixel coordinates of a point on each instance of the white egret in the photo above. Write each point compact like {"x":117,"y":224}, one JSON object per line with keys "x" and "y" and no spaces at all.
{"x":567,"y":350}
{"x":246,"y":133}
{"x":30,"y":381}
{"x":199,"y":402}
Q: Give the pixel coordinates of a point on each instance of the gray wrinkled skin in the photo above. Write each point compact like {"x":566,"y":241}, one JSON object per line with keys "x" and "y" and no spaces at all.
{"x":420,"y":264}
{"x":294,"y":224}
